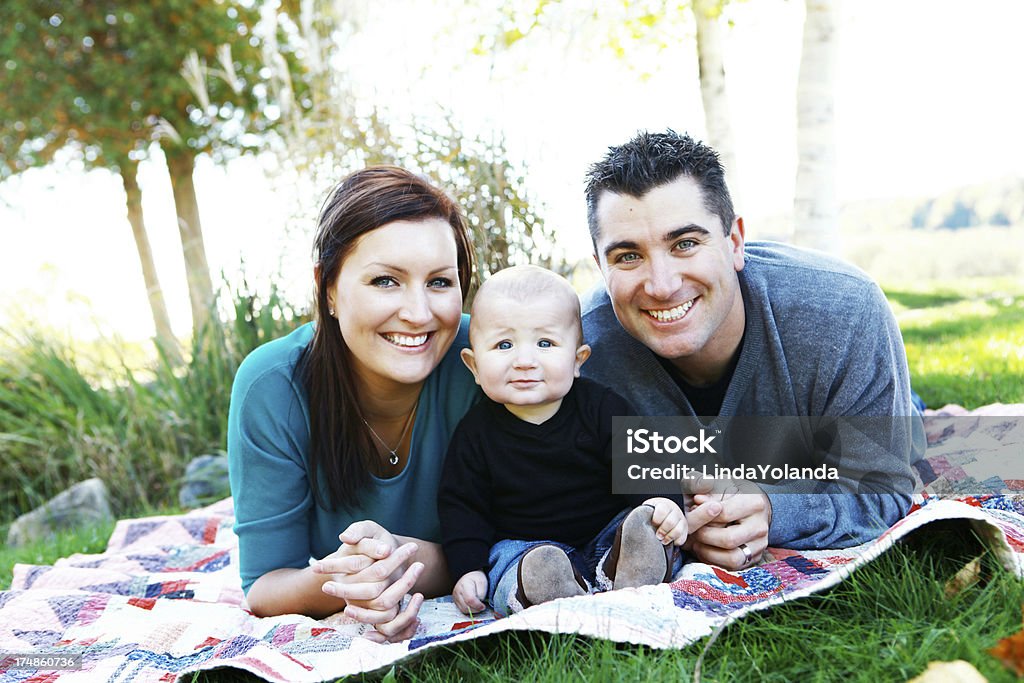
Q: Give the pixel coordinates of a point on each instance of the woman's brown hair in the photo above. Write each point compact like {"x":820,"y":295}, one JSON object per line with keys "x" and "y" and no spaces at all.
{"x":342,"y":452}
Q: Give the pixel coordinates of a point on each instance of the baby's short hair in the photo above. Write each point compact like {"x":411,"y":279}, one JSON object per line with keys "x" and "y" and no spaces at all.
{"x":525,"y":284}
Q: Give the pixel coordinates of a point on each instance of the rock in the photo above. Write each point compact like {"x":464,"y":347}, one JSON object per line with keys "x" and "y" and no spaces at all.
{"x":84,"y":504}
{"x":205,"y":481}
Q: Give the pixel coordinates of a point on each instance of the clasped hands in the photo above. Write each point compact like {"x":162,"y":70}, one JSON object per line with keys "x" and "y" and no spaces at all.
{"x":728,"y":521}
{"x":372,"y":573}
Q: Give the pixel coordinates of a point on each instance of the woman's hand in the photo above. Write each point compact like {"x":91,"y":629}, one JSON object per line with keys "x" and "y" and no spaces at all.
{"x":728,"y":526}
{"x":373,"y":574}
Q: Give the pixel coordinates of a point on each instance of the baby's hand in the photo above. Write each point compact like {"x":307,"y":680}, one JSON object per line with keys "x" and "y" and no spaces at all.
{"x":470,"y":591}
{"x":668,"y":520}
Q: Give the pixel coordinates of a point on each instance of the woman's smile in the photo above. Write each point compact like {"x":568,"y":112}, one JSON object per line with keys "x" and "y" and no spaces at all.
{"x":407,"y":341}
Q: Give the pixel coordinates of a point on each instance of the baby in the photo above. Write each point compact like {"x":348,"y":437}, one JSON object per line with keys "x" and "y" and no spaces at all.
{"x":525,"y":503}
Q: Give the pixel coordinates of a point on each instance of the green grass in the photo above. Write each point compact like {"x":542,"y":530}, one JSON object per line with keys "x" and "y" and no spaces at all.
{"x":964,"y":339}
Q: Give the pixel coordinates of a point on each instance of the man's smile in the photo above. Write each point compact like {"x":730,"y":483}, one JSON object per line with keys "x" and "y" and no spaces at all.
{"x":667,"y":315}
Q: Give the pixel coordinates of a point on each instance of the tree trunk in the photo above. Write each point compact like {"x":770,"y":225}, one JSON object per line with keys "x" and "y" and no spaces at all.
{"x":181,"y":163}
{"x":161,"y":320}
{"x":815,"y":208}
{"x":710,"y":58}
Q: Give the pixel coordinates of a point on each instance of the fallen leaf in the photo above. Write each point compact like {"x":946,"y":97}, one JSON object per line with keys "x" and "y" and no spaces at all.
{"x":957,"y":671}
{"x":969,"y":575}
{"x":1010,"y":651}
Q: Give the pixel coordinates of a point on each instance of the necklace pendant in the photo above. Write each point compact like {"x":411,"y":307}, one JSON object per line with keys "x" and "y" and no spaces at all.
{"x":393,"y":460}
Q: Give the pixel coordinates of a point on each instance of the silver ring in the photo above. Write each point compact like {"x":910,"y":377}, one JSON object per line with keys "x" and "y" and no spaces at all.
{"x":746,"y":553}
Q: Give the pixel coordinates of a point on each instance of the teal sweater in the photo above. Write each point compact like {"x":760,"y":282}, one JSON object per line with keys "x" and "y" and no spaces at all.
{"x":277,"y":519}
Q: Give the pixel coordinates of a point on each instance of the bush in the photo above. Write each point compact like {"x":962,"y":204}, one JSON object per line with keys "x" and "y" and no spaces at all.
{"x":135,"y":429}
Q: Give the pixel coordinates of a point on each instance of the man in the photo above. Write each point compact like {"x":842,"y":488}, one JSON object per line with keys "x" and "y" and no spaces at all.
{"x":694,"y":321}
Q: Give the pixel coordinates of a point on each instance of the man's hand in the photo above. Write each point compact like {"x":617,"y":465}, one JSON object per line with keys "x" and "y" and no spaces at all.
{"x":728,"y":522}
{"x":470,"y":591}
{"x":668,"y":520}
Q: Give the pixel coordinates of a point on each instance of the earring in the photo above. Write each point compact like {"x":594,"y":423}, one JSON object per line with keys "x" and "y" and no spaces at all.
{"x":331,"y":312}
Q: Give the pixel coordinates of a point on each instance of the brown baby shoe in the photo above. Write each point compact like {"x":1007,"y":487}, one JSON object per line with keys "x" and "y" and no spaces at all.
{"x":546,"y":573}
{"x":637,"y":557}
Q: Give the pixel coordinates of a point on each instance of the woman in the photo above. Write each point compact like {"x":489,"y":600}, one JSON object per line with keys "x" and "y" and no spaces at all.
{"x":342,"y":425}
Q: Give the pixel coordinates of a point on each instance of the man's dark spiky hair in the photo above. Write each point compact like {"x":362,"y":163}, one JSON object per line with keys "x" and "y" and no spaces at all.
{"x":650,"y":160}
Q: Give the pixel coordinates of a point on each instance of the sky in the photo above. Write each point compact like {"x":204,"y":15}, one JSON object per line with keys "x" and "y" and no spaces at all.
{"x":926,"y":100}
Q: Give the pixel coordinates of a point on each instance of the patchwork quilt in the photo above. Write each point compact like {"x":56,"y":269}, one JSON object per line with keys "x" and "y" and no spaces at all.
{"x":164,"y":599}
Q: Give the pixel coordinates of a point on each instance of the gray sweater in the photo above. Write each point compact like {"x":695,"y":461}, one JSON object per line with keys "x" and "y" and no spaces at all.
{"x":820,"y":340}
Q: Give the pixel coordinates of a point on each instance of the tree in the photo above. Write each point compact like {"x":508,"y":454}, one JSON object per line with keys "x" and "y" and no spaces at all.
{"x":161,"y":320}
{"x":327,"y":140}
{"x":104,"y":75}
{"x":31,"y":87}
{"x":624,"y":27}
{"x":714,"y":95}
{"x":815,"y":208}
{"x":507,"y":230}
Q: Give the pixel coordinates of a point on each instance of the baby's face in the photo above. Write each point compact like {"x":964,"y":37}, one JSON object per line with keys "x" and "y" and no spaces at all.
{"x":526,"y":354}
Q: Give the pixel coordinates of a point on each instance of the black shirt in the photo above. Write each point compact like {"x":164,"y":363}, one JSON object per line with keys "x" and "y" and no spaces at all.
{"x":505,"y":478}
{"x":705,"y":401}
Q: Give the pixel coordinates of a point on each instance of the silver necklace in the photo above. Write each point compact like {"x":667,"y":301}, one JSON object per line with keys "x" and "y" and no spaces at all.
{"x":394,"y":451}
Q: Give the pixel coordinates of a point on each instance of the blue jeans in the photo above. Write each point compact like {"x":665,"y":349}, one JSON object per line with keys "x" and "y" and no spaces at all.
{"x":503,"y":562}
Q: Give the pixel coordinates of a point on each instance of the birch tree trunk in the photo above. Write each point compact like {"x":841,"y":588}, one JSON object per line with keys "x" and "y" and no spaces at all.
{"x":181,"y":164}
{"x":161,"y":320}
{"x":815,"y":207}
{"x":710,"y":58}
